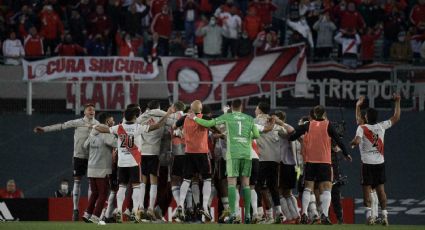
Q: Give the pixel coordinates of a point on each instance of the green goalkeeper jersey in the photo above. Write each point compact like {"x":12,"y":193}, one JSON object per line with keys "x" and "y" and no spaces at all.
{"x":240,"y":132}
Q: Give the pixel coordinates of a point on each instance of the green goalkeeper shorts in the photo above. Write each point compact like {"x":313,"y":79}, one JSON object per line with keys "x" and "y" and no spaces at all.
{"x":238,"y":167}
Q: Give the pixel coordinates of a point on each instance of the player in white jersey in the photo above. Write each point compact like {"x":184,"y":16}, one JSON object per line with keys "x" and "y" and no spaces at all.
{"x":151,"y":146}
{"x":360,"y":120}
{"x":82,"y":127}
{"x":99,"y":170}
{"x":370,"y":138}
{"x":129,"y":156}
{"x":287,"y":173}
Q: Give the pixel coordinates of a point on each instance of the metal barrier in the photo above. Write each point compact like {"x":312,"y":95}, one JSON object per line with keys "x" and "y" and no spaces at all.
{"x":278,"y":94}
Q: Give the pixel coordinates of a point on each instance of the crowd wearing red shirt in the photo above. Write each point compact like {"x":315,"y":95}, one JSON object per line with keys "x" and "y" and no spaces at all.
{"x":97,"y":27}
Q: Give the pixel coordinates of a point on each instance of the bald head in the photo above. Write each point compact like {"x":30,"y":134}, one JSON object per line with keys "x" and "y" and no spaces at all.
{"x":196,"y":106}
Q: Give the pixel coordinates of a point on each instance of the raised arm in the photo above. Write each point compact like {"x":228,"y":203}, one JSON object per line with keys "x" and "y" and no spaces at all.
{"x":58,"y":127}
{"x":359,"y":118}
{"x":163,"y":119}
{"x":396,"y":117}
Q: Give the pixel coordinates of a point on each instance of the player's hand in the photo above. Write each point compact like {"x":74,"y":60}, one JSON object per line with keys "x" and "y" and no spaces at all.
{"x":171,"y":110}
{"x":360,"y":101}
{"x":397,"y":97}
{"x":191,"y":116}
{"x":38,"y":129}
{"x":349,"y":158}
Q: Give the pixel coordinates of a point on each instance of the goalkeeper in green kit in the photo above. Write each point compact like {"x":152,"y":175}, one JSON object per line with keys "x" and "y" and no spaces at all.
{"x":241,"y":130}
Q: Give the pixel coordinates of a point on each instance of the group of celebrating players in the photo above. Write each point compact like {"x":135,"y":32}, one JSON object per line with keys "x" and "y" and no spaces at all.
{"x":233,"y":156}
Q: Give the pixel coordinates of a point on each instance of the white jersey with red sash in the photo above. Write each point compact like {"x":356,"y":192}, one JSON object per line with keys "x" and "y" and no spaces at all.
{"x":129,"y":142}
{"x":372,"y":142}
{"x":255,"y":152}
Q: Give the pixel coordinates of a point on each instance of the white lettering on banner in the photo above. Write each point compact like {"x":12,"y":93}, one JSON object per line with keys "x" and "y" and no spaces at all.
{"x":4,"y":212}
{"x":407,"y":206}
{"x":351,"y":90}
{"x":71,"y":67}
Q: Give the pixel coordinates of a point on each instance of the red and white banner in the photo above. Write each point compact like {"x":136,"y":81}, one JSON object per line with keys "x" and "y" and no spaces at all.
{"x":284,"y":65}
{"x":71,"y":67}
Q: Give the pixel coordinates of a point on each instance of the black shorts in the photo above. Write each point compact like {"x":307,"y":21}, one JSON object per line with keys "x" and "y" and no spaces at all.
{"x":318,"y":172}
{"x":80,"y":167}
{"x":113,"y":178}
{"x":150,"y":165}
{"x":373,"y":175}
{"x":267,"y":177}
{"x":287,"y":176}
{"x":255,"y":170}
{"x":197,"y":163}
{"x":222,"y":169}
{"x":128,"y":175}
{"x":178,"y":165}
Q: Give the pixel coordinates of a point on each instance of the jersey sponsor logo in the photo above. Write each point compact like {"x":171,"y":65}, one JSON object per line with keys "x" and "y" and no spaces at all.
{"x":4,"y":212}
{"x":374,"y":139}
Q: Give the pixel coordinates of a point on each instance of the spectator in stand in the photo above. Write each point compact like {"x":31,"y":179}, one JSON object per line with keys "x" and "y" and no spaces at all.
{"x":302,"y":28}
{"x":27,"y":19}
{"x":63,"y":190}
{"x":153,"y":50}
{"x":100,"y":22}
{"x":143,"y":8}
{"x":371,"y":12}
{"x":51,"y":29}
{"x":350,"y":41}
{"x":33,"y":45}
{"x":132,"y":20}
{"x":265,"y":9}
{"x":85,"y":8}
{"x":266,"y":40}
{"x":417,"y":15}
{"x":401,"y":50}
{"x":69,"y":48}
{"x":212,"y":34}
{"x":177,"y":46}
{"x":416,"y":40}
{"x":162,"y":25}
{"x":157,"y":6}
{"x":96,"y":46}
{"x":223,"y":11}
{"x":325,"y":29}
{"x":205,"y":7}
{"x":199,"y":40}
{"x":231,"y":27}
{"x":244,"y":46}
{"x":368,"y":44}
{"x":394,"y":23}
{"x":11,"y":192}
{"x":127,"y":46}
{"x":13,"y":50}
{"x":190,"y":14}
{"x":252,"y":24}
{"x":77,"y":27}
{"x":114,"y":12}
{"x":351,"y":18}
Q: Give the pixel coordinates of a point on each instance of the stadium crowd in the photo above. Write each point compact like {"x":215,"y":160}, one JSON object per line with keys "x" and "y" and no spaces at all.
{"x":192,"y":156}
{"x":212,"y":28}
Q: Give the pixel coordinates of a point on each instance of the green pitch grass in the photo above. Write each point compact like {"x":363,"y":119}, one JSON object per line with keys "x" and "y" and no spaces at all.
{"x":84,"y":226}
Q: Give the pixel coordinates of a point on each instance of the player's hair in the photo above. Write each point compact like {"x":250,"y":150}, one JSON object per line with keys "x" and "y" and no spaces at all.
{"x":372,"y":116}
{"x":236,"y":104}
{"x":65,"y":180}
{"x":319,"y":111}
{"x":131,"y":113}
{"x":179,"y":106}
{"x":281,"y":115}
{"x":134,"y":105}
{"x":154,"y":104}
{"x":88,"y":105}
{"x":206,"y":109}
{"x":264,"y":107}
{"x":102,"y":117}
